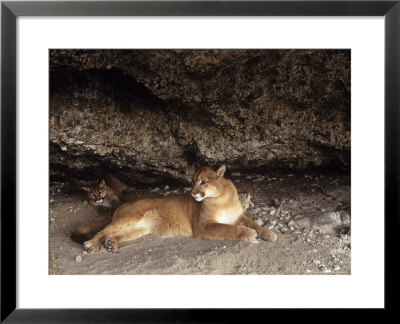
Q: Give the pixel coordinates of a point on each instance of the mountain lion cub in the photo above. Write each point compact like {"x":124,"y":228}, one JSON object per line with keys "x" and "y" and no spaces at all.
{"x":211,"y":211}
{"x":106,"y":192}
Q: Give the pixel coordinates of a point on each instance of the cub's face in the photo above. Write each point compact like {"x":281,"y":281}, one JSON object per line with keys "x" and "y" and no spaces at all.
{"x":97,"y":193}
{"x":206,"y":183}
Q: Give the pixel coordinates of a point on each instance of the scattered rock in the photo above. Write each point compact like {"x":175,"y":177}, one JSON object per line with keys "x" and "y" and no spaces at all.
{"x":304,"y":222}
{"x":259,"y":179}
{"x":78,"y":259}
{"x":325,"y":269}
{"x":276,"y":202}
{"x":284,"y":230}
{"x":327,"y":222}
{"x":345,"y":217}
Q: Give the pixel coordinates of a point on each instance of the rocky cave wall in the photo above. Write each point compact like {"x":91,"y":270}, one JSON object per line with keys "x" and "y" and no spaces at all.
{"x":147,"y":115}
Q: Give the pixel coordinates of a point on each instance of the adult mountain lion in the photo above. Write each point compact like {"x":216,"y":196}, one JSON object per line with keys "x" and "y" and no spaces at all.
{"x":211,"y":211}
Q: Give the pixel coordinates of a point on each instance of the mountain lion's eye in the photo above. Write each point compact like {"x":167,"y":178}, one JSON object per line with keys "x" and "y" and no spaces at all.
{"x":203,"y":183}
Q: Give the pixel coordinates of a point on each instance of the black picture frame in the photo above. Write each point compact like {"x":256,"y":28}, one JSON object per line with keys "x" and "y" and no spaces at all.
{"x":10,"y":10}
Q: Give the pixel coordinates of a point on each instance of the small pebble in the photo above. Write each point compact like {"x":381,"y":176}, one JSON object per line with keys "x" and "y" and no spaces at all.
{"x":336,"y":267}
{"x":166,"y":188}
{"x":316,"y":261}
{"x":78,"y":259}
{"x":326,"y":270}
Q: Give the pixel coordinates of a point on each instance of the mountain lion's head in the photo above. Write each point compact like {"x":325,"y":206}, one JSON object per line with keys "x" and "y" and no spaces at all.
{"x":98,"y":193}
{"x":206,"y":182}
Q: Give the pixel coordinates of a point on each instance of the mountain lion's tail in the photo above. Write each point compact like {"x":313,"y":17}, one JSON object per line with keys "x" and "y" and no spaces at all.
{"x":87,"y":232}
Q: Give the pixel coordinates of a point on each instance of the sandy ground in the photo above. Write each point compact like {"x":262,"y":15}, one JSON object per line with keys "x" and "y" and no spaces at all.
{"x":277,"y":199}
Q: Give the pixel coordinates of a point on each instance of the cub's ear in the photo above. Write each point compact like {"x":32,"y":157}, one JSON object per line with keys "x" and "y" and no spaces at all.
{"x":221,"y":171}
{"x":85,"y":188}
{"x":195,"y":167}
{"x":102,"y":183}
{"x":93,"y":183}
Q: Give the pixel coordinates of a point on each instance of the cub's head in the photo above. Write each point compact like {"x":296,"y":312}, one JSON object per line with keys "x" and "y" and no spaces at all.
{"x":97,"y":193}
{"x":207,"y":182}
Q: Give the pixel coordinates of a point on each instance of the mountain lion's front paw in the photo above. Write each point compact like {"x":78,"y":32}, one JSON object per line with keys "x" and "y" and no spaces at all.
{"x":248,"y":234}
{"x":268,"y":235}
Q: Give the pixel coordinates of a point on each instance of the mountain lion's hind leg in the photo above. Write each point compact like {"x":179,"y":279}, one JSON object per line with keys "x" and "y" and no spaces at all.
{"x":262,"y":233}
{"x":94,"y":244}
{"x":111,"y":242}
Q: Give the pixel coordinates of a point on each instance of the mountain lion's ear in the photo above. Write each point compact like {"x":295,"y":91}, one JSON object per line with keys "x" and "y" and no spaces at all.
{"x":85,"y":188}
{"x":195,"y":167}
{"x":102,"y":183}
{"x":221,"y":171}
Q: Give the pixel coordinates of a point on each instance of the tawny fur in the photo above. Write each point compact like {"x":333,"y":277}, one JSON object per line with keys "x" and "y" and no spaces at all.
{"x":106,"y":192}
{"x":211,"y":211}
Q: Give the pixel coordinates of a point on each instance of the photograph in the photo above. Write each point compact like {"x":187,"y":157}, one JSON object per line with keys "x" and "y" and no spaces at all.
{"x":199,"y":161}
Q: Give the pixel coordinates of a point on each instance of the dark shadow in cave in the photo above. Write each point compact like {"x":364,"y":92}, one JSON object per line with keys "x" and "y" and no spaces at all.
{"x":112,"y":87}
